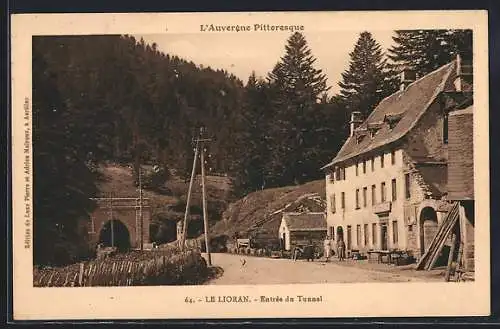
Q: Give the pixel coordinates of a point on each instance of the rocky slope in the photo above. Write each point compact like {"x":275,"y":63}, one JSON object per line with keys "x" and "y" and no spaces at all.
{"x":260,"y":212}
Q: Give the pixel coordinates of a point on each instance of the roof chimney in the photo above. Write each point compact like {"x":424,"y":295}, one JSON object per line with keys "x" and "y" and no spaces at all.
{"x":406,"y":77}
{"x":356,"y":120}
{"x":464,"y":80}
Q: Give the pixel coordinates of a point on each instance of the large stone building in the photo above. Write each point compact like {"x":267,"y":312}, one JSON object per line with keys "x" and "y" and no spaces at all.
{"x":387,"y":186}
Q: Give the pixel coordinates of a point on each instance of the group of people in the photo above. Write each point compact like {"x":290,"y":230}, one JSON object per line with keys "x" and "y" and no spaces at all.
{"x":330,"y":246}
{"x":330,"y":249}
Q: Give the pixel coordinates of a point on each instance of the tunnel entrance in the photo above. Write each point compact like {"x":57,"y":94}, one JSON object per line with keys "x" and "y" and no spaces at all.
{"x":115,"y":234}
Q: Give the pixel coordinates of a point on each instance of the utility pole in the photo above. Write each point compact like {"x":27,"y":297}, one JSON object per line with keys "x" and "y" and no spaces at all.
{"x":188,"y":200}
{"x":205,"y":213}
{"x":111,"y":221}
{"x":141,"y":234}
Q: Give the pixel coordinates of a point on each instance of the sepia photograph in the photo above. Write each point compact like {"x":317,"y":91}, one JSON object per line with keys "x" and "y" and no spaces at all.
{"x":253,"y":152}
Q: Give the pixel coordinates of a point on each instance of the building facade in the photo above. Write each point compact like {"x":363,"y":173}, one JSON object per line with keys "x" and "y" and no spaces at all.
{"x":387,"y":187}
{"x":298,"y":229}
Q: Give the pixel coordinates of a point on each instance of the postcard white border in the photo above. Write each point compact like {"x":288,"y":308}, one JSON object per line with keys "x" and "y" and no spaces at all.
{"x":340,"y":300}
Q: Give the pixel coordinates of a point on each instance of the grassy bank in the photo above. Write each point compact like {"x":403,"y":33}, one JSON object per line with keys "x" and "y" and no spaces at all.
{"x":135,"y":268}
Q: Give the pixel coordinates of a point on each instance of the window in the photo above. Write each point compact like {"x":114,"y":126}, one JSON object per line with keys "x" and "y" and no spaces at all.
{"x":333,"y":204}
{"x":342,"y":200}
{"x":331,"y":177}
{"x":364,"y":166}
{"x":374,"y":234}
{"x":394,"y":192}
{"x":373,"y":164}
{"x":382,"y":192}
{"x":357,"y":198}
{"x":340,"y":173}
{"x":395,"y":231}
{"x":332,"y":232}
{"x":364,"y":196}
{"x":358,"y":235}
{"x":365,"y":235}
{"x":356,"y":169}
{"x":374,"y":197}
{"x":407,"y":186}
{"x":349,"y":237}
{"x":382,"y":161}
{"x":445,"y":129}
{"x":393,"y":157}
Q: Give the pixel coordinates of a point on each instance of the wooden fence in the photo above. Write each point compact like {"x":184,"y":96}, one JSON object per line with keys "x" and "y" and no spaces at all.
{"x":131,"y":269}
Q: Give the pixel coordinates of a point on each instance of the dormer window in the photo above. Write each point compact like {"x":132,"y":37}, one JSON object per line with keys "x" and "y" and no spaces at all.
{"x":373,"y":128}
{"x":360,"y":134}
{"x":392,"y":119}
{"x":359,"y":139}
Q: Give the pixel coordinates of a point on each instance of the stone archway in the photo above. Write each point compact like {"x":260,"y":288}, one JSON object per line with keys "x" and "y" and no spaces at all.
{"x":115,"y":233}
{"x":129,"y":213}
{"x":428,"y":224}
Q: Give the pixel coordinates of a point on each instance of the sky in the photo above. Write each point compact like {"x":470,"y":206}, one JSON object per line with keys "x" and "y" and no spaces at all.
{"x":242,"y":53}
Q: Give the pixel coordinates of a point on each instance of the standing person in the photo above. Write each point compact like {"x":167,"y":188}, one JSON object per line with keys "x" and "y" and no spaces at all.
{"x":295,"y":253}
{"x":341,"y":249}
{"x":327,"y":248}
{"x":309,"y":251}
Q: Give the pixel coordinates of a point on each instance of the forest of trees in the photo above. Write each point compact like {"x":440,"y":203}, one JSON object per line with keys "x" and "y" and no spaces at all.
{"x":115,"y":98}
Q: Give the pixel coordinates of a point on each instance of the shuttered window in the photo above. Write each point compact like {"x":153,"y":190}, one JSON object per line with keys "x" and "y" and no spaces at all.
{"x":357,"y":198}
{"x":394,"y":190}
{"x":333,"y":204}
{"x":374,"y":195}
{"x":407,"y":186}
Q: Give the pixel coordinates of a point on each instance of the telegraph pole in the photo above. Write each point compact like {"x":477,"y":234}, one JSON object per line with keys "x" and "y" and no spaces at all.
{"x":205,"y":213}
{"x":111,"y":222}
{"x":141,"y":234}
{"x":188,"y":200}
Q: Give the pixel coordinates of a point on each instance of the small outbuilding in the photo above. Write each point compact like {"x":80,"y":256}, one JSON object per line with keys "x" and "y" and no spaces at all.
{"x":298,"y":228}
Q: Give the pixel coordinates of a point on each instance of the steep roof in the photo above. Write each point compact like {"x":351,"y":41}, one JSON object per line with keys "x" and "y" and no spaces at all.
{"x":403,"y":109}
{"x":307,"y":221}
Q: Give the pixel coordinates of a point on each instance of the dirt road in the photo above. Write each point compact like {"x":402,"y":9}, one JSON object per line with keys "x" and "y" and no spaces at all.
{"x":239,"y":269}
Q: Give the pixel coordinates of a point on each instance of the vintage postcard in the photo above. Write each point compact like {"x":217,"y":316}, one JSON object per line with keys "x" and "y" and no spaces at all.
{"x":250,"y":165}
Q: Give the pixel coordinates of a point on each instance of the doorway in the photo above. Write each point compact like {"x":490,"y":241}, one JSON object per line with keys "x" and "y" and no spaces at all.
{"x":383,"y":236}
{"x":428,"y":228}
{"x":340,"y":233}
{"x":349,"y":234}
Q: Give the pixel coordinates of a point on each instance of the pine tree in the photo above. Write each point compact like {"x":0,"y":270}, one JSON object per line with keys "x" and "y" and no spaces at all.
{"x":248,"y":166}
{"x":367,"y":81}
{"x":298,"y":87}
{"x":63,"y":183}
{"x":426,"y":50}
